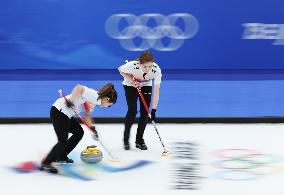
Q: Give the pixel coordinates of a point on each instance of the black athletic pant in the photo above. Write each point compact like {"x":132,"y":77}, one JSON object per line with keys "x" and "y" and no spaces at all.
{"x":62,"y":126}
{"x":132,"y":95}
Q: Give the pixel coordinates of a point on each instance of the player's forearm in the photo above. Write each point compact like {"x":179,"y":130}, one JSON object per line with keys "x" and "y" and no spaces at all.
{"x":88,"y":118}
{"x":77,"y":90}
{"x":156,"y":96}
{"x":125,"y":75}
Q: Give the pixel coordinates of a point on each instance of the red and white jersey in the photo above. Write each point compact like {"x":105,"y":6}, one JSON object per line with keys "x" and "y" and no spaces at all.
{"x":133,"y":68}
{"x":89,"y":95}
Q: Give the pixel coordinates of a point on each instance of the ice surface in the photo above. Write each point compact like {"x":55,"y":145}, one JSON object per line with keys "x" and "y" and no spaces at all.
{"x":26,"y":142}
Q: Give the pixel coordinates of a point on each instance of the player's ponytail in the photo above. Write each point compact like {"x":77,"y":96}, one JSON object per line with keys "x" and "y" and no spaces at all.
{"x":109,"y":91}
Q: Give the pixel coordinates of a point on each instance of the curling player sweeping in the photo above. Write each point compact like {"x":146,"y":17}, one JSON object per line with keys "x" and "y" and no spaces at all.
{"x":145,"y":71}
{"x":62,"y":115}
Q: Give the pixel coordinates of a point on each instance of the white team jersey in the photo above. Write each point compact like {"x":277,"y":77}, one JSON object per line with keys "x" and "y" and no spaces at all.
{"x":89,"y":95}
{"x":133,"y":68}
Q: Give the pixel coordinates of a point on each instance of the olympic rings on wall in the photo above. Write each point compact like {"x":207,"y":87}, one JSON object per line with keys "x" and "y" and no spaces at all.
{"x":151,"y":36}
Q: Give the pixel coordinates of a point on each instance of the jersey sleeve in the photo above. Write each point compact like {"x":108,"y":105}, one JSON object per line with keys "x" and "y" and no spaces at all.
{"x":158,"y":77}
{"x":127,"y":68}
{"x":90,"y":95}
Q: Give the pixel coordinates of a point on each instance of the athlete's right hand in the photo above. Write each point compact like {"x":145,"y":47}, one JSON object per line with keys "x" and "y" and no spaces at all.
{"x":136,"y":80}
{"x":129,"y":78}
{"x":69,"y":103}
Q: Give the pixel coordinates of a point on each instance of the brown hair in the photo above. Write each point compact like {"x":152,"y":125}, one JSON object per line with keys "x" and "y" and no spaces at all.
{"x":145,"y":57}
{"x":108,"y":91}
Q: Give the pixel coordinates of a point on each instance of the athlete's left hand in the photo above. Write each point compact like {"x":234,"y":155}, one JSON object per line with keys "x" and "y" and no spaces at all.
{"x":95,"y":133}
{"x":153,"y":115}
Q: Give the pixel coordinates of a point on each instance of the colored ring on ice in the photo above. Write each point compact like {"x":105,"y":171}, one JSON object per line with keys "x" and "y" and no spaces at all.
{"x":225,"y":153}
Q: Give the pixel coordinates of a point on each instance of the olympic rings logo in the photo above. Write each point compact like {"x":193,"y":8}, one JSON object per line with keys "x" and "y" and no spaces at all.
{"x":151,"y":36}
{"x":245,"y":164}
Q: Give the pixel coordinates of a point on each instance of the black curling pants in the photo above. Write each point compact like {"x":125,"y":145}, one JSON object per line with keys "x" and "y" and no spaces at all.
{"x":132,"y":96}
{"x":62,"y":126}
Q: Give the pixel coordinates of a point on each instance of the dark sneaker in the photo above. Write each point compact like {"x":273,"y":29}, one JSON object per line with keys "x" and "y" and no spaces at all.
{"x":48,"y":168}
{"x":126,"y":146}
{"x":64,"y":160}
{"x":141,"y":146}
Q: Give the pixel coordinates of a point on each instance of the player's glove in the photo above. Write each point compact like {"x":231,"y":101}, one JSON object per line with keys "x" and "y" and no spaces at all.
{"x":136,"y":79}
{"x":153,"y":115}
{"x":95,"y":133}
{"x":69,"y":103}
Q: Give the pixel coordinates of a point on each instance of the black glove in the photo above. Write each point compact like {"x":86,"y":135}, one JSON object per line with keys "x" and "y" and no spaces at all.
{"x":153,"y":115}
{"x":69,"y":104}
{"x":95,"y":133}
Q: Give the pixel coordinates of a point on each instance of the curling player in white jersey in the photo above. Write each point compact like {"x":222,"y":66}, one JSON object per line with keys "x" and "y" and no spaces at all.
{"x":62,"y":117}
{"x":146,"y":71}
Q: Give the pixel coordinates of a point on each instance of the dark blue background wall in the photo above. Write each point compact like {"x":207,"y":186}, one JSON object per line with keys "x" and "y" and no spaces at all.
{"x":64,"y":34}
{"x":189,"y":38}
